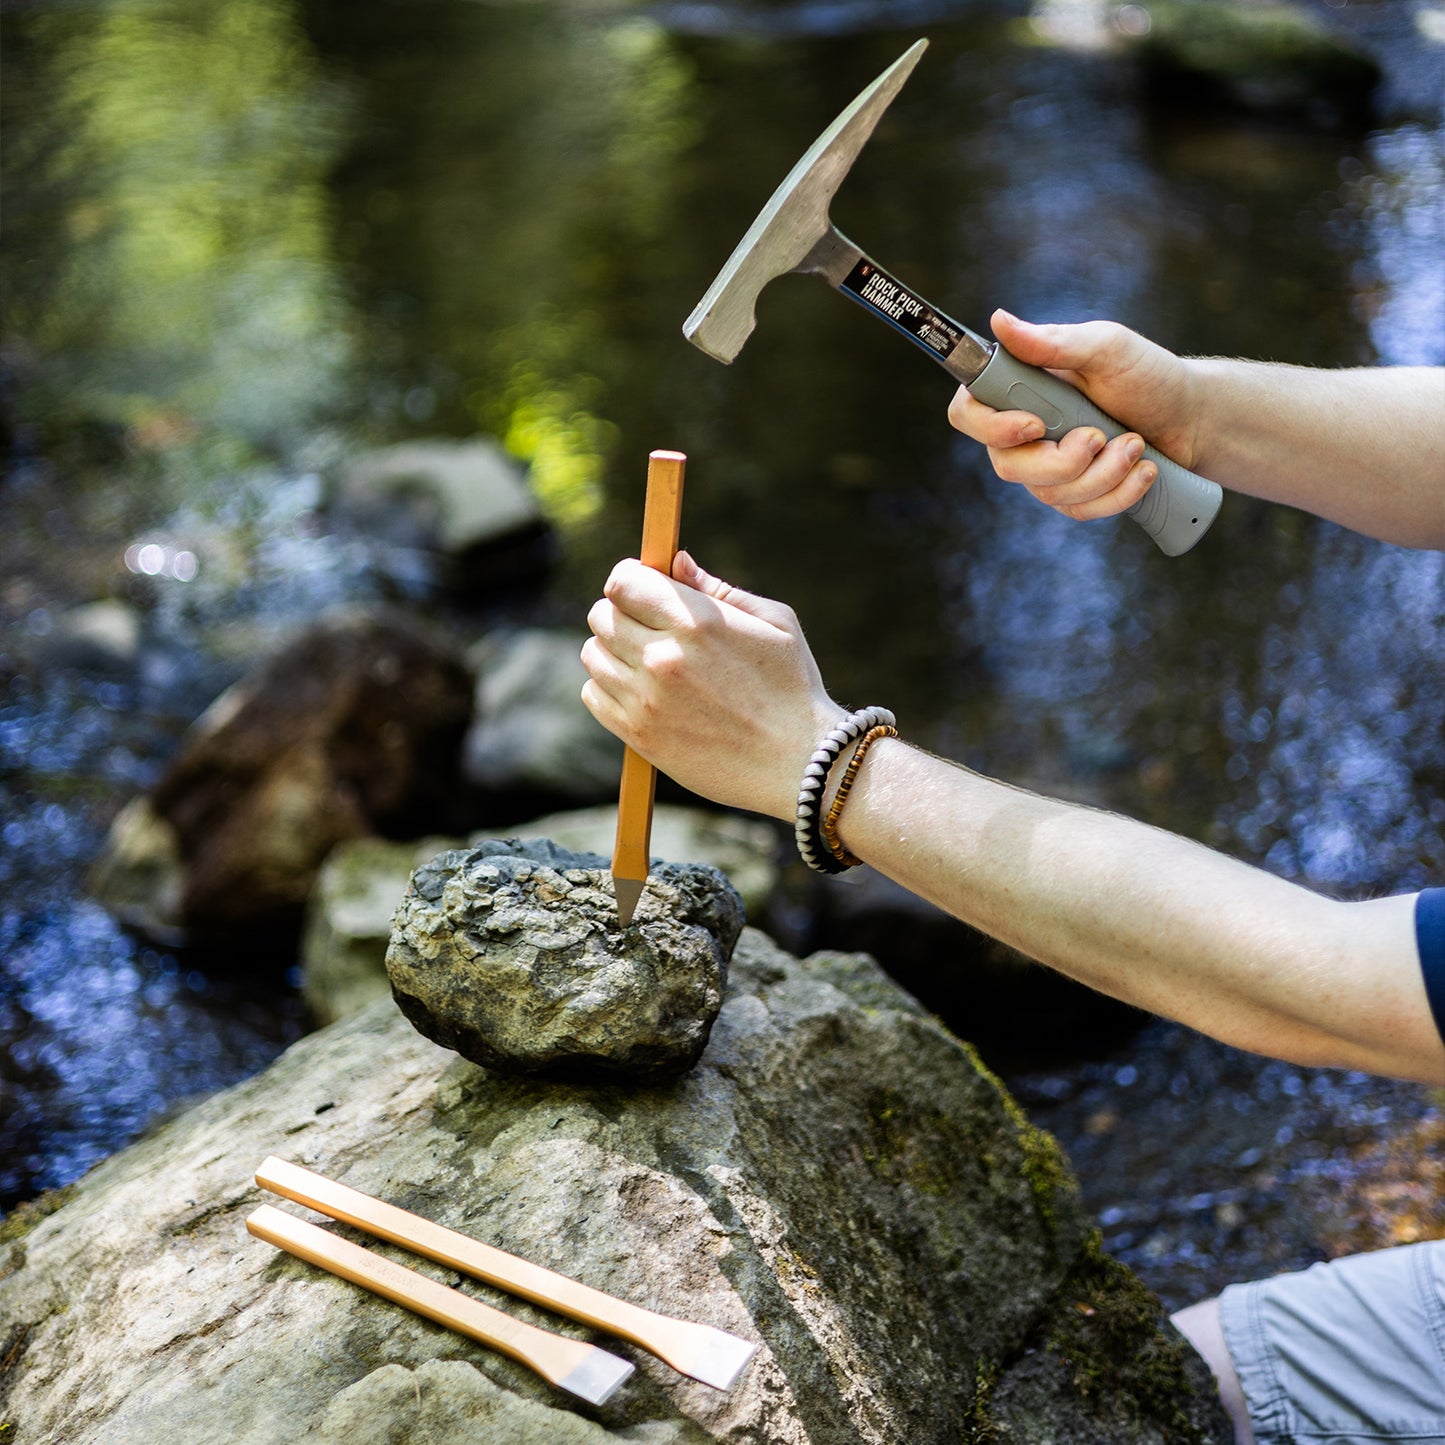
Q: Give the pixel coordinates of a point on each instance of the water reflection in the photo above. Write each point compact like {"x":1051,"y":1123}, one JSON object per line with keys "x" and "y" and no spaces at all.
{"x":255,"y":236}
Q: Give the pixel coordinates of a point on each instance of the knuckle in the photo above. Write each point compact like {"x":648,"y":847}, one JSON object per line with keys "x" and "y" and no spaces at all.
{"x":1006,"y":463}
{"x":961,"y":409}
{"x":666,"y":661}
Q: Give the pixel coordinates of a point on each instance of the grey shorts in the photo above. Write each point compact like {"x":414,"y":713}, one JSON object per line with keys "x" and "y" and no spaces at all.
{"x":1344,"y":1352}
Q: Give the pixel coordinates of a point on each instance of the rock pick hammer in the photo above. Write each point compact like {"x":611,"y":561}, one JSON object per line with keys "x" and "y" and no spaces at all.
{"x":794,"y":233}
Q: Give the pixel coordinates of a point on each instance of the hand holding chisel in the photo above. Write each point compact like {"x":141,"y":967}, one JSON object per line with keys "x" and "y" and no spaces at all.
{"x":661,"y":525}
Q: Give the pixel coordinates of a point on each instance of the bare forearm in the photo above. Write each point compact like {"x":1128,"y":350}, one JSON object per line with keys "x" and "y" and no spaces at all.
{"x":1152,"y":918}
{"x":1365,"y":448}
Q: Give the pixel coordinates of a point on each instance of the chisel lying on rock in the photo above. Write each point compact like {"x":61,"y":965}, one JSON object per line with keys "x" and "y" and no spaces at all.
{"x":581,"y":1369}
{"x":707,"y":1354}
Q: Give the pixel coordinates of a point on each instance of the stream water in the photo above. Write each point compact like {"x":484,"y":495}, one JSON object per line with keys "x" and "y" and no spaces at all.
{"x":245,"y":238}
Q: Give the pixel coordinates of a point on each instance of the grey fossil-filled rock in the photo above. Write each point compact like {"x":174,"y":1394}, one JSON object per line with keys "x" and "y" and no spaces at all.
{"x":348,"y":916}
{"x":837,"y":1180}
{"x":510,"y":953}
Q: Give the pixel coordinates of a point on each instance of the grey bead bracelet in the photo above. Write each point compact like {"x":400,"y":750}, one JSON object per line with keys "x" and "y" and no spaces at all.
{"x":808,"y":826}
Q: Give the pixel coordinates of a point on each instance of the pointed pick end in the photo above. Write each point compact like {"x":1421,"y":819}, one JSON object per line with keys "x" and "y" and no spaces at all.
{"x":628,"y":891}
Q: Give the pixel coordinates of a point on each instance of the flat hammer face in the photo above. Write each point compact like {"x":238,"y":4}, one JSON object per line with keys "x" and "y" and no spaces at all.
{"x":793,"y":222}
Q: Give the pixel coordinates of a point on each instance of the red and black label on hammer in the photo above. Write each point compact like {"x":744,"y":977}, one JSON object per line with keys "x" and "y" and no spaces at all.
{"x":893,"y":301}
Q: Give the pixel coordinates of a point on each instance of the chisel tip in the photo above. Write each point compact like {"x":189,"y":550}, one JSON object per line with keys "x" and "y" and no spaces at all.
{"x":628,"y":891}
{"x":597,"y":1377}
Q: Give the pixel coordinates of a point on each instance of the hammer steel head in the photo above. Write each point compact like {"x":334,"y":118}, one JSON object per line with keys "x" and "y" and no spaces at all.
{"x":793,"y":221}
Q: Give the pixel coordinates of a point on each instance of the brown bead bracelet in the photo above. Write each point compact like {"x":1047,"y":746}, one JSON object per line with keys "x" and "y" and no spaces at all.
{"x":830,"y":823}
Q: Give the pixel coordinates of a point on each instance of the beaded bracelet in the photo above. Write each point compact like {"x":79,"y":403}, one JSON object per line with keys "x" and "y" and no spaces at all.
{"x":830,"y":824}
{"x":807,"y":829}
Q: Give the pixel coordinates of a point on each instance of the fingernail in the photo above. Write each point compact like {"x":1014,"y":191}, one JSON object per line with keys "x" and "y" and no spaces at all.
{"x":1096,"y":442}
{"x":1033,"y":430}
{"x":1134,"y":449}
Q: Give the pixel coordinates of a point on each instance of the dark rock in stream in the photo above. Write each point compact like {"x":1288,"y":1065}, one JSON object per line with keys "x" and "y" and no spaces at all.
{"x":354,"y":729}
{"x":510,"y":953}
{"x":837,"y":1180}
{"x":1273,"y":57}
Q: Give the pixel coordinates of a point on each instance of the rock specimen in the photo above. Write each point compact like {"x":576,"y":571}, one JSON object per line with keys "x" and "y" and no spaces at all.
{"x":837,"y":1180}
{"x":354,"y":729}
{"x":510,"y":953}
{"x":348,"y":916}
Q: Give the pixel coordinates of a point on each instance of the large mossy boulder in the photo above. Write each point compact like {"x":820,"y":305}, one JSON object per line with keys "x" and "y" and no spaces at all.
{"x":837,"y":1179}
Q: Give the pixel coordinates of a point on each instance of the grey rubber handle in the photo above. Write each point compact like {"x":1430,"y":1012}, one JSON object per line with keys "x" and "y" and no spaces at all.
{"x":1176,"y":511}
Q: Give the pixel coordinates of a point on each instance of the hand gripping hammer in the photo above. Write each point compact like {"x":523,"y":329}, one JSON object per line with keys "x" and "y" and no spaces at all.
{"x":793,"y":233}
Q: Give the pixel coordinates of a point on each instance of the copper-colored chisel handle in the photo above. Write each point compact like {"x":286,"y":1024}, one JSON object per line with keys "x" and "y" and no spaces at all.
{"x":699,"y":1350}
{"x":661,"y":526}
{"x":570,"y":1364}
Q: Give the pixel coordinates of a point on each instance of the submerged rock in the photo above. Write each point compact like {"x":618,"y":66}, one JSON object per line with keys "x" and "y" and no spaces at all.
{"x":837,"y":1180}
{"x":1274,"y":56}
{"x":353,"y":729}
{"x":511,"y":954}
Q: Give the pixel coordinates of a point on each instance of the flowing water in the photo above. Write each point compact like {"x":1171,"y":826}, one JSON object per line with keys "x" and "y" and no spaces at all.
{"x":245,"y":238}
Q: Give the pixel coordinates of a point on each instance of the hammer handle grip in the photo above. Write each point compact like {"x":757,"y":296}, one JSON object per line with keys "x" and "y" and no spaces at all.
{"x":1175,"y":512}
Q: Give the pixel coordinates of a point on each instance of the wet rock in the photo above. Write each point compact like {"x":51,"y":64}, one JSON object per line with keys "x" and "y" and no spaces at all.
{"x":97,"y":637}
{"x":461,"y":510}
{"x":348,"y":916}
{"x":510,"y":953}
{"x":140,"y":875}
{"x":1276,"y":57}
{"x":837,"y":1180}
{"x":354,"y":729}
{"x":348,"y":922}
{"x":532,"y":734}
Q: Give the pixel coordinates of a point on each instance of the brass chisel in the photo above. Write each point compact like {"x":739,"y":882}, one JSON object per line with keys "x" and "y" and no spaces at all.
{"x":661,"y":525}
{"x":572,"y":1365}
{"x":702,"y":1351}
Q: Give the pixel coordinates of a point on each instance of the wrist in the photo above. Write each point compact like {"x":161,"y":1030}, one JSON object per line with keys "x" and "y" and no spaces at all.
{"x":790,"y":759}
{"x":1206,"y":381}
{"x":843,"y":748}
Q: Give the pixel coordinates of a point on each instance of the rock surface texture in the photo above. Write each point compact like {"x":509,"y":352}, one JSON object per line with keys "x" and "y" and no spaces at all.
{"x":510,"y":953}
{"x":348,"y":916}
{"x":837,"y":1180}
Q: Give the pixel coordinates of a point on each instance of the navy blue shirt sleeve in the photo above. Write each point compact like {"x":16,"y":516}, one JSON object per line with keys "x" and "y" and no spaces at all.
{"x":1430,"y":935}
